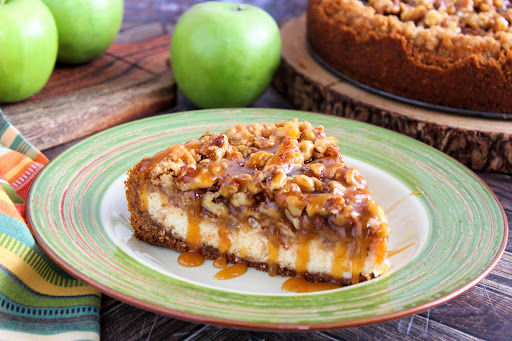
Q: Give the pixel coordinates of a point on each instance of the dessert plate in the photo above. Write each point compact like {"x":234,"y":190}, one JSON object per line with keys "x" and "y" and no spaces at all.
{"x":455,"y":228}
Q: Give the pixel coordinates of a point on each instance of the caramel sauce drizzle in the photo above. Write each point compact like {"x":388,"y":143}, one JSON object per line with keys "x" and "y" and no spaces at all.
{"x":220,"y":262}
{"x":403,"y":248}
{"x":143,"y":193}
{"x":232,"y":272}
{"x":224,"y":245}
{"x":225,"y":242}
{"x":381,"y":251}
{"x":197,"y":174}
{"x":302,"y":260}
{"x":300,"y":285}
{"x":339,"y":263}
{"x":191,"y":259}
{"x":417,"y":192}
{"x":150,"y":163}
{"x":315,"y":203}
{"x":193,"y":238}
{"x":358,"y":258}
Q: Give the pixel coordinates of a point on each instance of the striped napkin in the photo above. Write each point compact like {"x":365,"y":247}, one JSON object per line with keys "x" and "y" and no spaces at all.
{"x":38,"y":300}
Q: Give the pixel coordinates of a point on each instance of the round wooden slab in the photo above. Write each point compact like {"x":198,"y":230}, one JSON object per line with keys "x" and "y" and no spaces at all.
{"x":481,"y":144}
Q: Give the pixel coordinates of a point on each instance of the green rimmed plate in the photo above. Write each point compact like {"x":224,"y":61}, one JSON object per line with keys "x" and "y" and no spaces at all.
{"x":78,"y":212}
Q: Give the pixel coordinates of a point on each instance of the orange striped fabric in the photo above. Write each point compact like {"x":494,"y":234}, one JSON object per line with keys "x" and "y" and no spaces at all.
{"x":34,"y":303}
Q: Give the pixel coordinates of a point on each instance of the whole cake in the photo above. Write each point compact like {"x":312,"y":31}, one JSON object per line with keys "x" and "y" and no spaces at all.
{"x":455,"y":53}
{"x":277,"y":197}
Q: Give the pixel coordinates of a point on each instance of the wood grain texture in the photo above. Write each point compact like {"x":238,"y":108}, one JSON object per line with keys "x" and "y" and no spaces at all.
{"x":481,"y":144}
{"x":128,"y":82}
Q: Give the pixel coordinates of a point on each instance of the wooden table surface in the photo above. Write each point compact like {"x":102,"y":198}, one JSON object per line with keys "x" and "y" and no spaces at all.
{"x":484,"y":312}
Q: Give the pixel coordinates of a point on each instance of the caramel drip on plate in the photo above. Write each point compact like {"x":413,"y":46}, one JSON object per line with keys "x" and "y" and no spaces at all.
{"x":417,"y":192}
{"x":273,"y":252}
{"x":220,"y":262}
{"x":191,"y":259}
{"x":302,"y":260}
{"x":193,"y":229}
{"x":403,"y":248}
{"x":232,"y":272}
{"x":300,"y":285}
{"x":339,"y":263}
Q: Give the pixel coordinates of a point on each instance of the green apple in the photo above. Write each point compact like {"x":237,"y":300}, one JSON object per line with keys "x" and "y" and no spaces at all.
{"x":86,"y":27}
{"x":224,"y":54}
{"x":28,"y":48}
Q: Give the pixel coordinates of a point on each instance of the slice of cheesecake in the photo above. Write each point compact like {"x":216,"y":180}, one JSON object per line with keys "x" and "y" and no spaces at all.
{"x":277,"y":197}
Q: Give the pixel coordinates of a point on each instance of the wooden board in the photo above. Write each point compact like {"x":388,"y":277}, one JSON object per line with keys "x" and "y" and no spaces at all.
{"x":127,"y":82}
{"x":481,"y":144}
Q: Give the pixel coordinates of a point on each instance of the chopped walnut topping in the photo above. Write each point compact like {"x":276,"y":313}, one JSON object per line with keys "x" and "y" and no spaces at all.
{"x":288,"y":175}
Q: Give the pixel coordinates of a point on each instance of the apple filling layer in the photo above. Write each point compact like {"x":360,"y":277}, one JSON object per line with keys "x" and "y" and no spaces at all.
{"x":277,"y":197}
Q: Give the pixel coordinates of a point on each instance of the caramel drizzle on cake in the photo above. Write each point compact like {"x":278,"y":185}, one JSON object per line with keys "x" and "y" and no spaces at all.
{"x":286,"y":181}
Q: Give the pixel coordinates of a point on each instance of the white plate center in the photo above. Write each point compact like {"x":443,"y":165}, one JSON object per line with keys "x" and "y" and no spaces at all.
{"x":408,"y":223}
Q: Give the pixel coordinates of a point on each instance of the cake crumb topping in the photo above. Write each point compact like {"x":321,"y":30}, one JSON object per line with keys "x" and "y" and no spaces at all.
{"x":287,"y":174}
{"x":481,"y":26}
